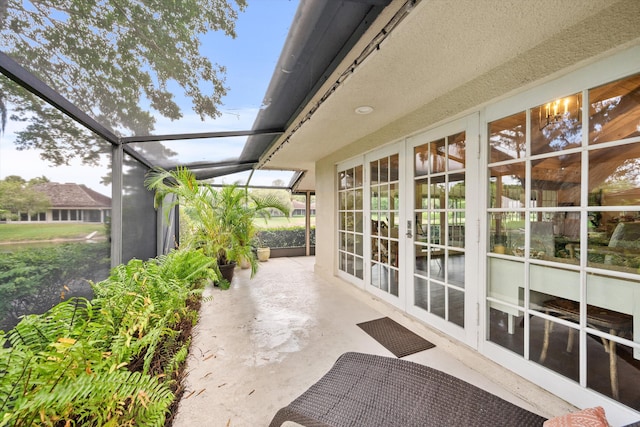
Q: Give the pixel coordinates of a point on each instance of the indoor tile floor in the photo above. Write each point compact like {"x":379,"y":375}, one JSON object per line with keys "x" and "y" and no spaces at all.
{"x":260,"y":344}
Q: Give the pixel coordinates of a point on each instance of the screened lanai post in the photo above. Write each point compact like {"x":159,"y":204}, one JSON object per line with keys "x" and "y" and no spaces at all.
{"x":117,"y":158}
{"x":307,"y":224}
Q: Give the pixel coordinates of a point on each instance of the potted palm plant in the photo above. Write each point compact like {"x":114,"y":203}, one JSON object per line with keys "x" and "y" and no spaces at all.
{"x":222,"y":220}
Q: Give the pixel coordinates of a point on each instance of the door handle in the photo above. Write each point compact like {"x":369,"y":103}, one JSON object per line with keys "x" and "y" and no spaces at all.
{"x":409,"y":229}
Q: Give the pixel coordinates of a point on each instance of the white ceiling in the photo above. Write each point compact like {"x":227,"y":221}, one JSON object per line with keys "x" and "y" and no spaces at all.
{"x":447,"y":57}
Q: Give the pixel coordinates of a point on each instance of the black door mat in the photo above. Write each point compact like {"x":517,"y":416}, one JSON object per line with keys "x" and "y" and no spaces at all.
{"x":394,"y":337}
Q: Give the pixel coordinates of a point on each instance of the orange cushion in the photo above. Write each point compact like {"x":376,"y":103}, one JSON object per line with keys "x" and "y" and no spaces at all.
{"x":590,"y":417}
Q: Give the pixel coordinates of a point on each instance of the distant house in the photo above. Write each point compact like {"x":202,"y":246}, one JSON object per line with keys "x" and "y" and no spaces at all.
{"x":72,"y":203}
{"x":299,"y":208}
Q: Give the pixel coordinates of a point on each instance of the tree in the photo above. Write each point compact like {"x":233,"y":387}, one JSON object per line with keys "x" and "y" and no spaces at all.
{"x":18,"y":196}
{"x":39,"y":180}
{"x":120,"y":62}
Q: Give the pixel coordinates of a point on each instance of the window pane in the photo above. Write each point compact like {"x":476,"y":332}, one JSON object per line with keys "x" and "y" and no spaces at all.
{"x":421,"y":194}
{"x":384,"y":170}
{"x":438,"y":191}
{"x":421,"y":154}
{"x":457,"y":150}
{"x":614,"y":176}
{"x":506,"y":279}
{"x":394,"y":165}
{"x":503,"y":329}
{"x":437,"y":299}
{"x":556,"y":180}
{"x":507,"y":138}
{"x":345,"y":179}
{"x":557,"y":125}
{"x":507,"y":186}
{"x":421,"y":293}
{"x":456,"y":307}
{"x":614,"y":111}
{"x":358,"y":176}
{"x":614,"y":246}
{"x":506,"y":231}
{"x":438,"y":156}
{"x":554,"y":346}
{"x":455,"y":267}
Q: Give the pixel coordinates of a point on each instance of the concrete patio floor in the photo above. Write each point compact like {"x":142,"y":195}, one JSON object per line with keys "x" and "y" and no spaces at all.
{"x":263,"y":342}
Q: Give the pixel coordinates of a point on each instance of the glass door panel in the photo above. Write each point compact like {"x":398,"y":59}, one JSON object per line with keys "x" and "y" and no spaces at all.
{"x":440,"y":227}
{"x":439,"y":180}
{"x":350,"y":223}
{"x":384,"y":194}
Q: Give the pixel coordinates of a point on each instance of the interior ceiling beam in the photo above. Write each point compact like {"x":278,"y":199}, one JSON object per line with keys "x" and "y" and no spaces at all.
{"x":16,"y":72}
{"x":200,"y":135}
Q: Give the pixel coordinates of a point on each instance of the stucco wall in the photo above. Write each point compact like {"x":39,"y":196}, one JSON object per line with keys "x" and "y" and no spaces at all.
{"x":613,"y":30}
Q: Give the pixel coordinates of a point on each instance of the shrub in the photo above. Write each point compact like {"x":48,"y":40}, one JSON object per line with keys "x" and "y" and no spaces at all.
{"x":284,"y":237}
{"x":110,"y":361}
{"x":33,"y":280}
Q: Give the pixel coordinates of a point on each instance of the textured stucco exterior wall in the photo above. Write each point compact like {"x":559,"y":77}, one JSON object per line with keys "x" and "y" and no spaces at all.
{"x":614,"y":29}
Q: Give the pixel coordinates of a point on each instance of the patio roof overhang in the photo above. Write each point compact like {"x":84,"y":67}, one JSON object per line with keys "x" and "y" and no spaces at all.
{"x":320,"y":36}
{"x":444,"y":60}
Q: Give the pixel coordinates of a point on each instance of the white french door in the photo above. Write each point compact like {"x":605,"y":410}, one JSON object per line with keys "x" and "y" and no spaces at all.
{"x":383,"y":197}
{"x":443,"y":251}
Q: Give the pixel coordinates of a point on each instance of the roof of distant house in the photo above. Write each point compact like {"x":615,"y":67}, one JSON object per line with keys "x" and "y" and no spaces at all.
{"x":302,"y":205}
{"x":71,"y":195}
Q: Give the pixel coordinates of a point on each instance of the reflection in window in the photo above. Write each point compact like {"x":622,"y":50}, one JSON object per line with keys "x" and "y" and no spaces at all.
{"x":614,"y":236}
{"x":614,"y":111}
{"x":507,"y":186}
{"x":565,"y":218}
{"x":614,"y":176}
{"x":384,"y":224}
{"x":350,"y":222}
{"x":507,"y":138}
{"x":557,"y":125}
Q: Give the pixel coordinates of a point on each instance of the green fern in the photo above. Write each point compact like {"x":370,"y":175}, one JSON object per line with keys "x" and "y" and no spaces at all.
{"x":74,"y":363}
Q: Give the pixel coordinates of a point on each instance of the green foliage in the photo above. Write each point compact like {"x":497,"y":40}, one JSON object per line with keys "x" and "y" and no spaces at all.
{"x":31,"y":278}
{"x":16,"y":195}
{"x":284,"y":237}
{"x":222,"y":220}
{"x":111,"y":361}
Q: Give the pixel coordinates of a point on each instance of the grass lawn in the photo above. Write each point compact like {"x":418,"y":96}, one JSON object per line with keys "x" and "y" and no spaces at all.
{"x":29,"y":232}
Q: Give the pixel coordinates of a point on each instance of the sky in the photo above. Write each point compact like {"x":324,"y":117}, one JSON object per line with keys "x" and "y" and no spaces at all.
{"x":250,"y":60}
